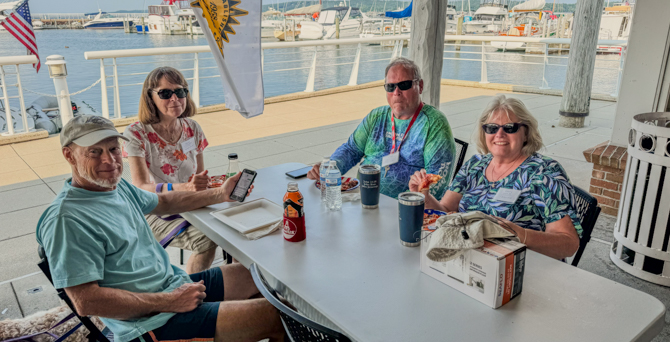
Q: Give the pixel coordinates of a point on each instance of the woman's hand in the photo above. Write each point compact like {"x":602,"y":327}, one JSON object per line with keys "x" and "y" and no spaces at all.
{"x":198,"y":182}
{"x":416,"y":180}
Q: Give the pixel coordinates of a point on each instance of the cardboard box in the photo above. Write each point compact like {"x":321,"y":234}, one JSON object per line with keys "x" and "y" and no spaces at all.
{"x":491,"y":274}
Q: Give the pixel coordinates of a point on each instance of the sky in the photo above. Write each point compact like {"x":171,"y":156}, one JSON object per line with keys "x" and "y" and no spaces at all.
{"x":85,"y":6}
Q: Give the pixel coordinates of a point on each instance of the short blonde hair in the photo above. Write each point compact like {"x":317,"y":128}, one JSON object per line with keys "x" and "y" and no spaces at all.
{"x":148,"y":112}
{"x":501,"y":103}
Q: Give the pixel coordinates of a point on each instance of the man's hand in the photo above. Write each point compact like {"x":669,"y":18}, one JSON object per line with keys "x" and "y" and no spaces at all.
{"x":187,"y":297}
{"x":198,"y":182}
{"x":313,"y":174}
{"x":227,"y":188}
{"x":416,"y":180}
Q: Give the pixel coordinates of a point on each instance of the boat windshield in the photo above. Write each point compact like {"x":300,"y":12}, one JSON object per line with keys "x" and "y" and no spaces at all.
{"x":355,"y":14}
{"x":488,"y":17}
{"x":159,"y":10}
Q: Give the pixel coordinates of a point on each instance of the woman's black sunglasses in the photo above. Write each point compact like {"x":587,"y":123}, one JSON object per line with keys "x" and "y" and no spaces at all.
{"x":509,"y":128}
{"x":404,"y":85}
{"x":166,"y":94}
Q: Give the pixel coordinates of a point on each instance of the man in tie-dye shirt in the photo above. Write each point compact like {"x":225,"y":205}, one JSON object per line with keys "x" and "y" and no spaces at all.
{"x":422,"y":135}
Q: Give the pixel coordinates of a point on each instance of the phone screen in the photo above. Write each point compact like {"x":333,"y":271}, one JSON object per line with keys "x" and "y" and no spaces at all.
{"x":243,"y":185}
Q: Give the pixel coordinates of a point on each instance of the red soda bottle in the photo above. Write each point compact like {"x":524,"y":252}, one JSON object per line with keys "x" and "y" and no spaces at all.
{"x":294,"y":216}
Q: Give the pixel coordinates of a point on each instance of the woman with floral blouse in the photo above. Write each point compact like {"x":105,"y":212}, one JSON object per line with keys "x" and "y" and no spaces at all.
{"x":165,"y":153}
{"x":524,"y":190}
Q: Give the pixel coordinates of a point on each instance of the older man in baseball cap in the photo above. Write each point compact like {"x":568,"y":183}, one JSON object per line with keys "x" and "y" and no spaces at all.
{"x":102,"y":252}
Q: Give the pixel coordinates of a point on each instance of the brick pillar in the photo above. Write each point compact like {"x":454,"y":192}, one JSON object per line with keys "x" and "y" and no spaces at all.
{"x":609,"y":164}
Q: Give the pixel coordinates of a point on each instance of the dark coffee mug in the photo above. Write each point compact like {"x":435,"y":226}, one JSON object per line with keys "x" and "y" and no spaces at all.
{"x":370,"y":177}
{"x":410,"y":217}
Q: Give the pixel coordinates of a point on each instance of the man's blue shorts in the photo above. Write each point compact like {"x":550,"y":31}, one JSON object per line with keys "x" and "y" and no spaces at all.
{"x":199,"y":324}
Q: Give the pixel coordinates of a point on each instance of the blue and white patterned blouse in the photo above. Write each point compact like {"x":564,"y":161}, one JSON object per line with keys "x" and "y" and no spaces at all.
{"x":546,"y":192}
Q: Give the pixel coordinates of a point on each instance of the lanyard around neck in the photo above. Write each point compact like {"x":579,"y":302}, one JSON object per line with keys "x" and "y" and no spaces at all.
{"x":411,"y":123}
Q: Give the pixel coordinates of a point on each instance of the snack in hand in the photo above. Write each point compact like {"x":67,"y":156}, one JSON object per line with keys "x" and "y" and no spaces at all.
{"x":429,"y":219}
{"x":216,"y":181}
{"x":429,"y":180}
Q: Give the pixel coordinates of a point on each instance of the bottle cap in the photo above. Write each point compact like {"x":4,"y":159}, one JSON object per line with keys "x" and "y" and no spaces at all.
{"x":232,"y":156}
{"x":292,"y":186}
{"x":333,"y":163}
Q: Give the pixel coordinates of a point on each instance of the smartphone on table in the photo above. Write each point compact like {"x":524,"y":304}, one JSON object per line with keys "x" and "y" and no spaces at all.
{"x":299,"y":173}
{"x":243,"y":184}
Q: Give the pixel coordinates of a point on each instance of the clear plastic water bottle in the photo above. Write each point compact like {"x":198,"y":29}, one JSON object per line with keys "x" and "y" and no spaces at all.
{"x":333,"y":187}
{"x":325,"y":163}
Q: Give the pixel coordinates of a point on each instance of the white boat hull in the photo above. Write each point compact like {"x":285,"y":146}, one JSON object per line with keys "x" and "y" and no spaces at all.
{"x":509,"y":46}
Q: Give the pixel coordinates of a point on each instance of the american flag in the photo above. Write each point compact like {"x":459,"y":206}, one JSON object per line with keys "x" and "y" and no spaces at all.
{"x":20,"y":25}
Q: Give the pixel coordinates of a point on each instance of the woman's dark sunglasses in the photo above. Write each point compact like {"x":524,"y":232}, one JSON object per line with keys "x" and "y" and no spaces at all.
{"x":166,"y":94}
{"x":509,"y":128}
{"x":404,"y":85}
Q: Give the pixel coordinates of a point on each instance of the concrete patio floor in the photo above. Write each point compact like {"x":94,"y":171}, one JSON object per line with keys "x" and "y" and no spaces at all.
{"x":295,"y":131}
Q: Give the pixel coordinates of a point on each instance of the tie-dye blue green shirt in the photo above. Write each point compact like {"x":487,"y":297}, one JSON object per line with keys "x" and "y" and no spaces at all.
{"x":546,"y":192}
{"x":429,"y":145}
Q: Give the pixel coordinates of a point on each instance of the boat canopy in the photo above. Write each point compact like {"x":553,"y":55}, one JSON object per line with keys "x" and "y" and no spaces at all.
{"x":406,"y":13}
{"x":271,"y":13}
{"x":8,"y":5}
{"x":309,"y":10}
{"x":530,"y":5}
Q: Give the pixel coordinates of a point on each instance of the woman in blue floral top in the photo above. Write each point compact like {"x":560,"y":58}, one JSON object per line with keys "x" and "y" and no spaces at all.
{"x":528,"y":192}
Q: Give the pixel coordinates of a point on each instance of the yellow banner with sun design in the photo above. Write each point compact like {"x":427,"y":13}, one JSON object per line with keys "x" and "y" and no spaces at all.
{"x":235,"y":25}
{"x":220,"y":16}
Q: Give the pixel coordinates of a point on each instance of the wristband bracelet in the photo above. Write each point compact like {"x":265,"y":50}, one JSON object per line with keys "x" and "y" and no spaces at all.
{"x":159,"y":188}
{"x":169,"y":186}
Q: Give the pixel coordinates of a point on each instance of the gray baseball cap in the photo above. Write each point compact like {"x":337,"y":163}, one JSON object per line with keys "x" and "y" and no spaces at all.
{"x":87,"y":130}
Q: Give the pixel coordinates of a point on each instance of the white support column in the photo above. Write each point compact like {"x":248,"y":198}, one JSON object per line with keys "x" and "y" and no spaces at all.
{"x":429,"y":22}
{"x":645,"y":82}
{"x":312,"y":74}
{"x":117,"y":97}
{"x":24,"y":116}
{"x":353,"y":79}
{"x":484,"y":73}
{"x":8,"y":112}
{"x":103,"y":90}
{"x":196,"y":81}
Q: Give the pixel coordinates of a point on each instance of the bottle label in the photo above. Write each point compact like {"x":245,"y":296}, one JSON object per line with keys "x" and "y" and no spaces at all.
{"x":333,"y":182}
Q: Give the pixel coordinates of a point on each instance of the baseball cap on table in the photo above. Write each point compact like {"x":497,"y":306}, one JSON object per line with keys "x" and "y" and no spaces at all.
{"x":87,"y":130}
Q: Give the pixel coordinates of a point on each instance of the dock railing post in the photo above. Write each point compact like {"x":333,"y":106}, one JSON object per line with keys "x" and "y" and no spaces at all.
{"x":22,"y":104}
{"x":196,"y":81}
{"x":103,"y":90}
{"x":117,"y":97}
{"x":312,"y":73}
{"x":8,"y":111}
{"x":545,"y":84}
{"x":353,"y":79}
{"x":484,"y":76}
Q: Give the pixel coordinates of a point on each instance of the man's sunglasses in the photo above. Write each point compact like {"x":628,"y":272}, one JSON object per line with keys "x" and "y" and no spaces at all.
{"x":166,"y":94}
{"x":509,"y":128}
{"x":404,"y":85}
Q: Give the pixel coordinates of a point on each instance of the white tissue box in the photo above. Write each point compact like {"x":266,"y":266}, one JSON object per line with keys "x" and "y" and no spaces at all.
{"x":491,"y":274}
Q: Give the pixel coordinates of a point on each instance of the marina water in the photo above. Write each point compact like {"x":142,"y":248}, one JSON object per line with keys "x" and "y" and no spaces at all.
{"x":82,"y":73}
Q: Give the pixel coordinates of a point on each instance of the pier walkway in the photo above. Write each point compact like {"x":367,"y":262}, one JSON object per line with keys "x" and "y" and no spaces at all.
{"x":303,"y":130}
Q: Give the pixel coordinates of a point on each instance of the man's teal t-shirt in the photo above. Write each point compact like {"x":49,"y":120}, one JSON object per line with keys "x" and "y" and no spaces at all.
{"x":103,"y":236}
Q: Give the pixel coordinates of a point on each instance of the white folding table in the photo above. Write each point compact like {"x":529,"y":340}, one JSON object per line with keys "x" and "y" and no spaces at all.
{"x":351,"y":273}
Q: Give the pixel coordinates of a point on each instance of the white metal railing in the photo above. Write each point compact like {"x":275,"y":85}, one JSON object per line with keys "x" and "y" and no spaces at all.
{"x":482,"y":55}
{"x":16,"y":61}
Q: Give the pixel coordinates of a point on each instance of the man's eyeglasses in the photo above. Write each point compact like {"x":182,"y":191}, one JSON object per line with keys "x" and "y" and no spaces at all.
{"x":166,"y":94}
{"x":404,"y":85}
{"x":509,"y":128}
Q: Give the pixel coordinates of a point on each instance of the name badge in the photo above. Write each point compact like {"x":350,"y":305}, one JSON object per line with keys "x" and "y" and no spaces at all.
{"x":507,"y":195}
{"x":390,"y":159}
{"x":188,"y":145}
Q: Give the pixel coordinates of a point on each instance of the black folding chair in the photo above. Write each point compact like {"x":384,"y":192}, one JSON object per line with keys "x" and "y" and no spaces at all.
{"x":94,"y":333}
{"x":461,"y":149}
{"x":298,"y":327}
{"x":587,"y":212}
